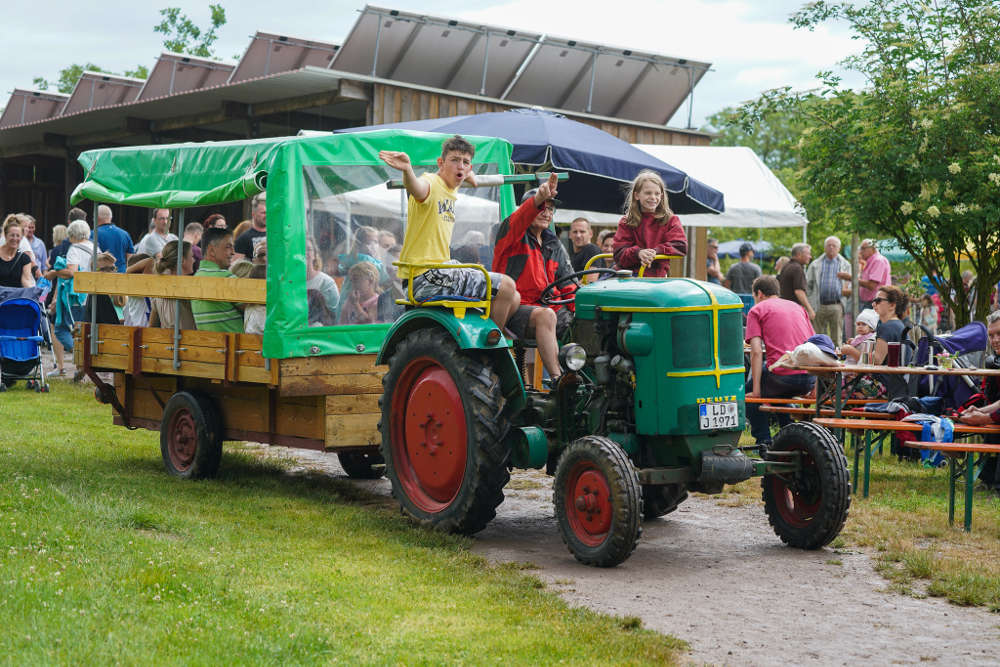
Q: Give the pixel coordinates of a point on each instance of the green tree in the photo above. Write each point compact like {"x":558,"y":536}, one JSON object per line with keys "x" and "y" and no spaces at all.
{"x":774,"y":137}
{"x":184,"y":36}
{"x":915,"y":156}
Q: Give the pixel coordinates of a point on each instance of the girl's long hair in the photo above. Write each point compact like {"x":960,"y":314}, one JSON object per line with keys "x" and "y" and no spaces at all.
{"x":633,"y":209}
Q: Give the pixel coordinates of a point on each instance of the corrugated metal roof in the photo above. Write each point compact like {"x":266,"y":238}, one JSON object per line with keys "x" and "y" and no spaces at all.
{"x":178,"y":73}
{"x":268,"y":53}
{"x":96,"y":89}
{"x":507,"y":64}
{"x":27,"y":106}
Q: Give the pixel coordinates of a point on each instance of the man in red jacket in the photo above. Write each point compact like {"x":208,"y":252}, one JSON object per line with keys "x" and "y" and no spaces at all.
{"x":530,"y":253}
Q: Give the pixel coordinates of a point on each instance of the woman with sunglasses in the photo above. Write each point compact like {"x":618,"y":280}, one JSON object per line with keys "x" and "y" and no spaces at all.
{"x":890,"y":305}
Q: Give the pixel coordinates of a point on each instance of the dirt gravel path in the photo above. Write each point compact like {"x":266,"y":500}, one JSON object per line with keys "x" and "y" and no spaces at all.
{"x":719,"y":578}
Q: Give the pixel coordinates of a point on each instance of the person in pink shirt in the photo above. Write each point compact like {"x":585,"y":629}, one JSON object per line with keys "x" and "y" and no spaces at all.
{"x":876,"y":273}
{"x":776,"y":326}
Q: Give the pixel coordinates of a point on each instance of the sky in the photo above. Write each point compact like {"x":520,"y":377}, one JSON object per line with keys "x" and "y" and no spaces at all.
{"x":751,"y":45}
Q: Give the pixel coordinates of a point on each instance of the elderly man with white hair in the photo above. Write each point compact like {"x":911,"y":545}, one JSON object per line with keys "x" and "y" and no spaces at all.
{"x":113,"y":239}
{"x":827,"y":291}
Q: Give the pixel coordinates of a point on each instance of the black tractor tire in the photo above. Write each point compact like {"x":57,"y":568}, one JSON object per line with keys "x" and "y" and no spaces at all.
{"x":191,"y":436}
{"x":362,"y":465}
{"x":808,"y":508}
{"x":598,"y":501}
{"x":660,"y":500}
{"x":443,"y":432}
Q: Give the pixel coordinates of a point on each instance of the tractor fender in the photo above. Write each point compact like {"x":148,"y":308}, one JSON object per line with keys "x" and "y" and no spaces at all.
{"x":469,"y":333}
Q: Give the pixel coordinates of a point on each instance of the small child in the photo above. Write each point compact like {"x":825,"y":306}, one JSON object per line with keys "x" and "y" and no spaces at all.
{"x":865,"y":326}
{"x":928,"y":314}
{"x":137,"y":308}
{"x":255,"y":314}
{"x":649,"y":228}
{"x":361,"y":304}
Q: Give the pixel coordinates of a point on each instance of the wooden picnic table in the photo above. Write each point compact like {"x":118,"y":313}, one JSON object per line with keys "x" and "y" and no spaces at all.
{"x":966,"y":449}
{"x":866,"y":426}
{"x":810,"y":400}
{"x":858,"y":369}
{"x":824,"y":412}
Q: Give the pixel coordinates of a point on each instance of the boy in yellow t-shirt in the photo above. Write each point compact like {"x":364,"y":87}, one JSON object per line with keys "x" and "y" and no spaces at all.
{"x":430,"y":221}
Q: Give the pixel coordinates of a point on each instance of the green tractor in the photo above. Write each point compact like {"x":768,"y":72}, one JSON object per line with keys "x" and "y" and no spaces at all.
{"x":650,"y":407}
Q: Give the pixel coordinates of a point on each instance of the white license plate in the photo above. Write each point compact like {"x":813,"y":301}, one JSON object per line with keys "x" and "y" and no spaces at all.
{"x":712,"y":416}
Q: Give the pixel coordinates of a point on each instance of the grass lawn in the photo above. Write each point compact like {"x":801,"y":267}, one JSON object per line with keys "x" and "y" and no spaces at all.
{"x":105,"y":558}
{"x":905,"y":521}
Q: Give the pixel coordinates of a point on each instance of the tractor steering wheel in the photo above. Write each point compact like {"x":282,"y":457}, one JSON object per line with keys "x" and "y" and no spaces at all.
{"x":546,"y":297}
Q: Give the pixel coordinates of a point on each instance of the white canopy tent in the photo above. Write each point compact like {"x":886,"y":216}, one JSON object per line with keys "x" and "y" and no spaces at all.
{"x":754,"y":195}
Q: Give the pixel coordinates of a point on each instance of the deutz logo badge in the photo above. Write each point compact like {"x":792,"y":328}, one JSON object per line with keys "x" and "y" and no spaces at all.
{"x":716,"y":399}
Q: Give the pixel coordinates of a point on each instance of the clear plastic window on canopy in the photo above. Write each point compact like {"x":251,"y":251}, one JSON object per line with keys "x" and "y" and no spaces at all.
{"x":355,"y":227}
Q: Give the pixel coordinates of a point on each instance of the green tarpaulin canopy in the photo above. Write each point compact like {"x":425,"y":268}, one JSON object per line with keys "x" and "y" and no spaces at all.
{"x":193,"y":174}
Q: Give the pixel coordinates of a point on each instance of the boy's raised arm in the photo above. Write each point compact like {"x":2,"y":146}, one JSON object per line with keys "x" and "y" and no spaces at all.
{"x":416,"y":187}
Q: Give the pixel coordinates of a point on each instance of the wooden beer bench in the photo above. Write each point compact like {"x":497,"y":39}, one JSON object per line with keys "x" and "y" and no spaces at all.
{"x":955,"y":451}
{"x":824,"y":412}
{"x":885,"y":426}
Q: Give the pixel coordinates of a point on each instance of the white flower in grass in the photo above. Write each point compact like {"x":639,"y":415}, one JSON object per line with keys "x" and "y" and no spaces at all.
{"x":954,"y":168}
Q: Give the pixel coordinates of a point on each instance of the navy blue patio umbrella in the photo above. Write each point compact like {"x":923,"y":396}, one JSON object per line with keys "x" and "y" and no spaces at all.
{"x":601,"y":164}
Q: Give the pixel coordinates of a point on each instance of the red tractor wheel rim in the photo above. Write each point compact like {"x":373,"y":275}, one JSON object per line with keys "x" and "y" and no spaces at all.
{"x":429,"y":442}
{"x":588,"y":504}
{"x":796,"y":505}
{"x":182,"y":439}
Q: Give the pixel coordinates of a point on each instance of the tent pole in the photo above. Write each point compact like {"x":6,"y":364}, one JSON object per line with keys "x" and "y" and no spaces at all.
{"x":177,"y":302}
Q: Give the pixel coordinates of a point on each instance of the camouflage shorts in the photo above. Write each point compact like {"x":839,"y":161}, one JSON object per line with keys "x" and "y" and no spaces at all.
{"x":459,"y":282}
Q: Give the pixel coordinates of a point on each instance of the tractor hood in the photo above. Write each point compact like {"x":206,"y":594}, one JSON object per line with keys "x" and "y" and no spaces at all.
{"x":651,"y":295}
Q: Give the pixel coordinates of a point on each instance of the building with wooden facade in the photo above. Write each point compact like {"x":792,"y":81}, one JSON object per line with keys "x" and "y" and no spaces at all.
{"x":392,"y":66}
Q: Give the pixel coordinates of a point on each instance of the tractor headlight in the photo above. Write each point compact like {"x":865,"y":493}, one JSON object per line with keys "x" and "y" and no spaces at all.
{"x":572,"y":357}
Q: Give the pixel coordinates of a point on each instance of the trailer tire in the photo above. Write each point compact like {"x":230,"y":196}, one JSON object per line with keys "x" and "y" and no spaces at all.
{"x":598,"y":502}
{"x":362,"y":465}
{"x":808,"y":508}
{"x":191,"y":436}
{"x":443,"y":433}
{"x":660,"y":500}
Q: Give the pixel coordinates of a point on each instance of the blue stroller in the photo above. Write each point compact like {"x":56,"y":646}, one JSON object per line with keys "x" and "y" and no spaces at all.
{"x":20,"y":339}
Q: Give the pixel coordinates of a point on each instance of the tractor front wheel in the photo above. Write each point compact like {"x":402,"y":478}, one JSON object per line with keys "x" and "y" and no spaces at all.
{"x":191,"y":436}
{"x":807,"y":508}
{"x":442,"y":433}
{"x":598,"y":501}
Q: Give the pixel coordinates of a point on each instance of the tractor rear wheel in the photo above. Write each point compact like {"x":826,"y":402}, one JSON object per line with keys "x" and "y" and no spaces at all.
{"x":597,"y":501}
{"x":362,"y":465}
{"x":808,"y":508}
{"x":660,"y":500}
{"x":191,"y":436}
{"x":442,"y":433}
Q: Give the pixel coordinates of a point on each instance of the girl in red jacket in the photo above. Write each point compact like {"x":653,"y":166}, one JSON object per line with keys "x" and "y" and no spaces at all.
{"x":649,"y":228}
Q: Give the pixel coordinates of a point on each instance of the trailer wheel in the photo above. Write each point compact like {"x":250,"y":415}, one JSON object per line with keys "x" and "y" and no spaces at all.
{"x":660,"y":500}
{"x":598,"y":501}
{"x":191,"y":436}
{"x":362,"y":465}
{"x":442,"y":433}
{"x":808,"y":508}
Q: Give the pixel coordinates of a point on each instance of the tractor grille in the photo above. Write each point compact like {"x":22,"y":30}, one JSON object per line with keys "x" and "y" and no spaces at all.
{"x":692,"y":340}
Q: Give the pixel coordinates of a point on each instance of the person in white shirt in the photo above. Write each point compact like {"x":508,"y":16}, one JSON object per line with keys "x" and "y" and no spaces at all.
{"x":153,"y":242}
